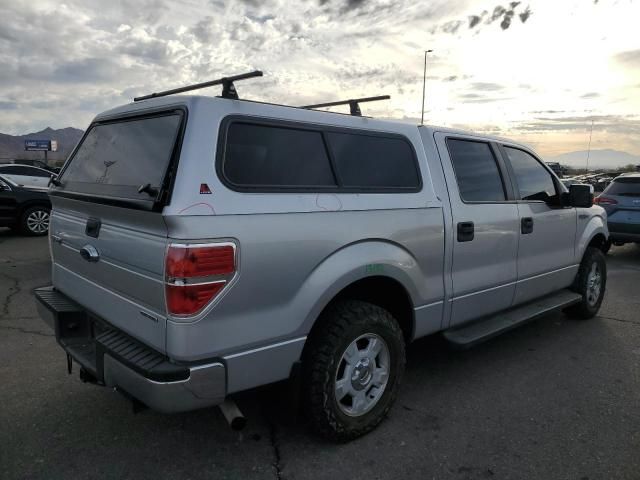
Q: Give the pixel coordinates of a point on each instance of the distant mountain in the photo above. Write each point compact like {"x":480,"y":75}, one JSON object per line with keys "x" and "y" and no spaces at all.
{"x":12,"y":146}
{"x":597,"y":159}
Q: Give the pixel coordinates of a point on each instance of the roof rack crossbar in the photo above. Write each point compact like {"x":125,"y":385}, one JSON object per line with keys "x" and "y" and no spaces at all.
{"x":353,"y":103}
{"x":228,"y":88}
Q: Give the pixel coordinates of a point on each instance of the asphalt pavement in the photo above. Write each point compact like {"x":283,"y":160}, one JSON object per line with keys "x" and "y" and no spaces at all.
{"x":554,"y":399}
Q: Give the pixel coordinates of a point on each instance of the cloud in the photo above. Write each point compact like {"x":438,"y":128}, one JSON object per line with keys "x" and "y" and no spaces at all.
{"x":475,"y":19}
{"x":524,"y":16}
{"x":85,"y":70}
{"x":480,"y":98}
{"x":351,"y":4}
{"x":630,"y":58}
{"x":8,"y":105}
{"x":614,"y":124}
{"x":500,"y":13}
{"x":487,"y":86}
{"x":590,"y":95}
{"x":452,"y":26}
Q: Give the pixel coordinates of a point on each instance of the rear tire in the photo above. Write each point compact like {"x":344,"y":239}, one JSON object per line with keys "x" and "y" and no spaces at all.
{"x":352,"y":369}
{"x":34,"y":221}
{"x":590,"y":282}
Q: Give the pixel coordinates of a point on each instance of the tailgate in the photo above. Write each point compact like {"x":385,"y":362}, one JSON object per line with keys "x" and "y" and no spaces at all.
{"x":125,"y":285}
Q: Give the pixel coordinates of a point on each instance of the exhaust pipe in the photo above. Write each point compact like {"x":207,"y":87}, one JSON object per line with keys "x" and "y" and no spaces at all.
{"x":233,"y":415}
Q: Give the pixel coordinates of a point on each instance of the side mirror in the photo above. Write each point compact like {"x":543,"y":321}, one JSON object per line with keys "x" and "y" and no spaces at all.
{"x":580,"y":195}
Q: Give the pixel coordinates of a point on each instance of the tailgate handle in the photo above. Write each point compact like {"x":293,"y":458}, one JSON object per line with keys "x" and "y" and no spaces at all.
{"x":93,"y":227}
{"x":90,"y":253}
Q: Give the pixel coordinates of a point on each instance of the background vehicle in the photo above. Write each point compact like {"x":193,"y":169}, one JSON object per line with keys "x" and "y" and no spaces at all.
{"x":37,"y":163}
{"x":24,"y":209}
{"x":621,"y":200}
{"x":26,"y":175}
{"x":260,"y":242}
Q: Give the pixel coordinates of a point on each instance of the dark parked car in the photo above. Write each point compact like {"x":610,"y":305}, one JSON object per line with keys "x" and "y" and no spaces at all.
{"x":621,"y":200}
{"x":24,"y":209}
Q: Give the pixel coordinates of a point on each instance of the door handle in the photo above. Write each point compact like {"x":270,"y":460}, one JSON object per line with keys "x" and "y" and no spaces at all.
{"x":90,"y":253}
{"x":526,"y":225}
{"x":465,"y":231}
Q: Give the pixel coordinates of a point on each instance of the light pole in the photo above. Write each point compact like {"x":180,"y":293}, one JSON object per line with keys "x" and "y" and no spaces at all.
{"x":589,"y":148}
{"x":424,"y":84}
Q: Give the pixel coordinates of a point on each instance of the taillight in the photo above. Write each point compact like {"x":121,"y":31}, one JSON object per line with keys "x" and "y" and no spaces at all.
{"x":605,"y":201}
{"x":200,"y":261}
{"x":195,"y":274}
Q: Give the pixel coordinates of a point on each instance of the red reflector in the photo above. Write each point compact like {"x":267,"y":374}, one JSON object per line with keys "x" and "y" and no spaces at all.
{"x":190,"y":299}
{"x":200,"y":261}
{"x":605,"y":201}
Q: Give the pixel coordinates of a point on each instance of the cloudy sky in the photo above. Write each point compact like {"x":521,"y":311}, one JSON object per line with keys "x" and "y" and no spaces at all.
{"x":539,"y":71}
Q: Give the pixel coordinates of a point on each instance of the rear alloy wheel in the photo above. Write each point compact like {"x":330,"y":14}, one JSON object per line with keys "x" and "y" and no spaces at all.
{"x":590,"y":282}
{"x":362,"y":375}
{"x":352,"y":369}
{"x":35,"y":221}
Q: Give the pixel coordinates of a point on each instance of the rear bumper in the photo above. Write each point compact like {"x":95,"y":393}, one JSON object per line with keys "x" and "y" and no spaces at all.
{"x":624,"y":232}
{"x":114,"y":359}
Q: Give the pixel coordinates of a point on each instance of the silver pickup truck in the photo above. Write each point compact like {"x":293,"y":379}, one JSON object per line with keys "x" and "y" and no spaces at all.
{"x":203,"y":246}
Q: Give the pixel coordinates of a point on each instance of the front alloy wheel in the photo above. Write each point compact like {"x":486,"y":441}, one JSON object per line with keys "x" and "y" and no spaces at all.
{"x":594,"y":284}
{"x":590,"y":282}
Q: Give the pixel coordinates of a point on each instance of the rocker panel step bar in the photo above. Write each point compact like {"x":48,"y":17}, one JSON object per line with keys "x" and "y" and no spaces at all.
{"x":489,"y":327}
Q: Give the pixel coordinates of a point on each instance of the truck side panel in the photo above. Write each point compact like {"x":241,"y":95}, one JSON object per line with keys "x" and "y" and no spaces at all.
{"x":273,"y":295}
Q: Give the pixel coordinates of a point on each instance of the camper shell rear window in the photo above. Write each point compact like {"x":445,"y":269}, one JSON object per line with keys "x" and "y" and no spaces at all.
{"x":117,"y":158}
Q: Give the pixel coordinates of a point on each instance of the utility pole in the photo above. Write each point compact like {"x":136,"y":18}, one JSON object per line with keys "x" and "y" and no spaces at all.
{"x":424,"y":84}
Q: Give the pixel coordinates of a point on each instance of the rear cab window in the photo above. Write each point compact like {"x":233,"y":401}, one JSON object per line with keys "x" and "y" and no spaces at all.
{"x":117,"y":157}
{"x":476,"y":171}
{"x":292,"y":156}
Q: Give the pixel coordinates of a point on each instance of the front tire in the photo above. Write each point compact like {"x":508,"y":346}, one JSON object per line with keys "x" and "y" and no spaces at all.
{"x":352,"y":369}
{"x":590,"y":282}
{"x":34,"y":221}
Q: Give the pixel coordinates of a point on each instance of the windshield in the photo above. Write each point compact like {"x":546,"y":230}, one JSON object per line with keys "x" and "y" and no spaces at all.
{"x":116,"y":159}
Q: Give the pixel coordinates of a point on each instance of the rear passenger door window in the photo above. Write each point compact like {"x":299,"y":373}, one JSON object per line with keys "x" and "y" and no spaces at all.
{"x":533,"y":180}
{"x":270,"y":156}
{"x":380,"y":162}
{"x":476,"y":171}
